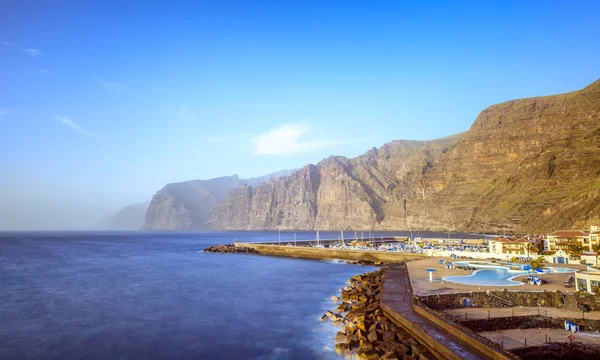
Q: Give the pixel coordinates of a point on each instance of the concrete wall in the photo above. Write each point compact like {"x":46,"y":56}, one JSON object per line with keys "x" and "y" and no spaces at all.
{"x":496,"y":299}
{"x":590,"y":259}
{"x":329,"y":254}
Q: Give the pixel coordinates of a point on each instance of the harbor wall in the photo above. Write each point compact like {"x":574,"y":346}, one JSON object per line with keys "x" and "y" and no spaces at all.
{"x":330,"y":254}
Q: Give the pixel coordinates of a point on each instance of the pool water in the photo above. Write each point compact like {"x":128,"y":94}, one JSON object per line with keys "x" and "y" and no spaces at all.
{"x":497,"y":274}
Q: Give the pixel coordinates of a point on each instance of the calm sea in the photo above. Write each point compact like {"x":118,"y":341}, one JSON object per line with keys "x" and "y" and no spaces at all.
{"x":143,"y":295}
{"x":157,"y":296}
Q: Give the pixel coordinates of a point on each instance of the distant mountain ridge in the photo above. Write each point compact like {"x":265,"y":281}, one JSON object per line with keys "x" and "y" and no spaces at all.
{"x":130,"y":217}
{"x":188,"y":205}
{"x":528,"y":165}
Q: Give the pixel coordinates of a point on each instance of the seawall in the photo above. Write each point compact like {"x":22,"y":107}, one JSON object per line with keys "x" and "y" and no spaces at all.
{"x":330,"y":254}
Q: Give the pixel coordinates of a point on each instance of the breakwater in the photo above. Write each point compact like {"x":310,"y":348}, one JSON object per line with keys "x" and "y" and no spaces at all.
{"x":329,"y":254}
{"x":366,"y":331}
{"x":230,"y":248}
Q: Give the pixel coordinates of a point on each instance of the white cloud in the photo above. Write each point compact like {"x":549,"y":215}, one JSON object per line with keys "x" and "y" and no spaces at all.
{"x":287,"y":140}
{"x":33,"y":52}
{"x":6,"y":43}
{"x":113,"y":86}
{"x":65,"y":120}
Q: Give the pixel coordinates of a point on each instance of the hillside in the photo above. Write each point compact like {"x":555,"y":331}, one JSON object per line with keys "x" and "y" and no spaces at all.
{"x":188,"y":205}
{"x":528,"y":165}
{"x":336,"y":193}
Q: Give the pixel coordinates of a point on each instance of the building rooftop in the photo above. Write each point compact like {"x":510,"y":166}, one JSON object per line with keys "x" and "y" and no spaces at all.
{"x":568,"y":233}
{"x":509,"y":240}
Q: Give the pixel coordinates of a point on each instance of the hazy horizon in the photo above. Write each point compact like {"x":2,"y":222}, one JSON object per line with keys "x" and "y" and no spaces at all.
{"x":105,"y":103}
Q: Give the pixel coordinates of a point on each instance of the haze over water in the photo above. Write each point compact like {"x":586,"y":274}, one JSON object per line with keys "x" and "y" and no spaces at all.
{"x":154,"y":295}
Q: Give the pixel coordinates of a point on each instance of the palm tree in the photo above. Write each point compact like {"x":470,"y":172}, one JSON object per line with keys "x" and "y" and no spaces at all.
{"x":530,"y":248}
{"x":596,"y":250}
{"x":536,"y":264}
{"x":576,"y":251}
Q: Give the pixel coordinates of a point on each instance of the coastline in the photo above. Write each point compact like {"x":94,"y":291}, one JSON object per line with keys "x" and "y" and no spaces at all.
{"x":365,"y":331}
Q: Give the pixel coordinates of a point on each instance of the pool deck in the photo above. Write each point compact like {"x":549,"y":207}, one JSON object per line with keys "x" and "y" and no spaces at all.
{"x":422,"y":286}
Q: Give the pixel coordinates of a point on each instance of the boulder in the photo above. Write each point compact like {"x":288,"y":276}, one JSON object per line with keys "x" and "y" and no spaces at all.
{"x":400,"y":350}
{"x":342,"y":308}
{"x":361,"y":325}
{"x":341,"y":338}
{"x":372,"y":337}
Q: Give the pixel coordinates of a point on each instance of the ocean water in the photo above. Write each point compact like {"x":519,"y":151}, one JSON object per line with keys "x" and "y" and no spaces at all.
{"x":157,"y":296}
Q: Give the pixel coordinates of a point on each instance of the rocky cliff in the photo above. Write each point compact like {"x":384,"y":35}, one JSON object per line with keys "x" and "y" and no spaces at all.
{"x":529,"y":165}
{"x":337,"y":193}
{"x":188,"y":205}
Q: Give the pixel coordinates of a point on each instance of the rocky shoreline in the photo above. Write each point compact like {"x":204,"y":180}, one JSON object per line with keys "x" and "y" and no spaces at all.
{"x":367,"y":332}
{"x":230,"y":248}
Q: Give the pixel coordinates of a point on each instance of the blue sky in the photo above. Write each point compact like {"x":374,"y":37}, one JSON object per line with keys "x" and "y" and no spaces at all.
{"x":102,"y":104}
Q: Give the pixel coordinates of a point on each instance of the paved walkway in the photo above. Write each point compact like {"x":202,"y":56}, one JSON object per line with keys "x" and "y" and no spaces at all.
{"x":396,"y":294}
{"x":482,"y":313}
{"x":515,"y":338}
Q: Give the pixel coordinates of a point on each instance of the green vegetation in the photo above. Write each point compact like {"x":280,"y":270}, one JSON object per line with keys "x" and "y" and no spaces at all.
{"x":596,"y":250}
{"x":530,"y":248}
{"x":536,"y":263}
{"x":576,"y":251}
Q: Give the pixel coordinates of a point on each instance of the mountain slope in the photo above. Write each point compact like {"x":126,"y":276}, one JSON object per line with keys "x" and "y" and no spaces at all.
{"x":528,"y":165}
{"x":188,"y":205}
{"x":336,"y":193}
{"x":525,"y":165}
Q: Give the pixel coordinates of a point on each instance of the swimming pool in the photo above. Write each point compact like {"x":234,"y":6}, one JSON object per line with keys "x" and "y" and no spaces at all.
{"x":501,"y":274}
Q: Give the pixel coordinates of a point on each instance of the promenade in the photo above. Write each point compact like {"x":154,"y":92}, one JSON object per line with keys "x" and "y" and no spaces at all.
{"x":397,"y":296}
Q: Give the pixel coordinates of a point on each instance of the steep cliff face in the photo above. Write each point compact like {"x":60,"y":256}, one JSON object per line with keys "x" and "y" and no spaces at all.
{"x":528,"y":165}
{"x":525,"y":165}
{"x":188,"y":205}
{"x":337,"y":193}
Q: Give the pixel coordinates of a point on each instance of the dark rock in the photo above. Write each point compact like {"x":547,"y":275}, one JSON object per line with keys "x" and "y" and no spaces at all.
{"x":230,"y":249}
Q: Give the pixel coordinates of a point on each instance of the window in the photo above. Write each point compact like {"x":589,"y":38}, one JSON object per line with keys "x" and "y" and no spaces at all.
{"x":582,"y":285}
{"x":595,"y":286}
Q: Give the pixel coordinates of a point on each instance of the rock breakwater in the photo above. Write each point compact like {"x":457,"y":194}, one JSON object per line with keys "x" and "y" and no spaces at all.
{"x":366,"y":331}
{"x":230,"y":248}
